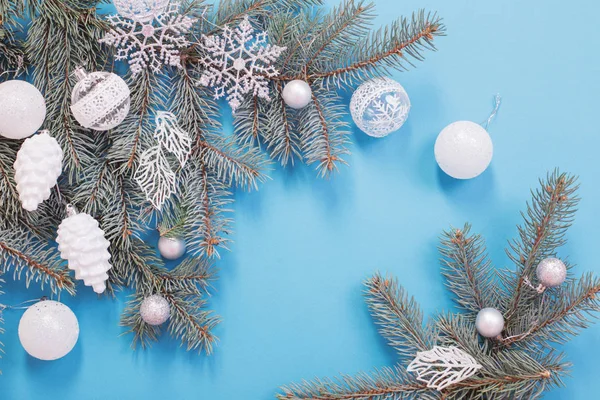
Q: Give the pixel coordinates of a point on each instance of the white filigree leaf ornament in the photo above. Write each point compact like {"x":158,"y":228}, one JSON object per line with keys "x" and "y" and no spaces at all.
{"x":441,"y":367}
{"x":170,"y":135}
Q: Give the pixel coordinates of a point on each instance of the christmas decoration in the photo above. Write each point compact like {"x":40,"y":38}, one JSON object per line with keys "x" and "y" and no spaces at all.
{"x":489,"y":322}
{"x":82,"y":242}
{"x":551,"y":272}
{"x":155,"y":310}
{"x":141,"y":10}
{"x":37,"y":168}
{"x":150,"y":44}
{"x":22,"y":109}
{"x":297,"y":94}
{"x":100,"y":100}
{"x":379,"y":107}
{"x":239,"y":62}
{"x":518,"y":362}
{"x":441,"y":367}
{"x":171,"y":248}
{"x":48,"y":330}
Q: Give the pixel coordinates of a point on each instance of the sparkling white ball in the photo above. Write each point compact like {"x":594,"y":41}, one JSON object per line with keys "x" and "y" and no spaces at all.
{"x":22,"y":109}
{"x":551,"y":272}
{"x":155,"y":310}
{"x":297,"y":94}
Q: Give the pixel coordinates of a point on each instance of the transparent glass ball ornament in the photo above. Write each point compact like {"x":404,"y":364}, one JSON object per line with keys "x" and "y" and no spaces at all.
{"x":379,"y":107}
{"x":141,"y":10}
{"x":100,"y":100}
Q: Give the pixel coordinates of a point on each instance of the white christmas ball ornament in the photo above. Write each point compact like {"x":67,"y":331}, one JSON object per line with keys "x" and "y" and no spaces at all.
{"x":22,"y":109}
{"x":463,"y":149}
{"x":48,"y":330}
{"x":141,"y":10}
{"x":155,"y":310}
{"x":489,"y":322}
{"x":551,"y":272}
{"x":171,"y":248}
{"x":297,"y":94}
{"x":379,"y":107}
{"x":100,"y":100}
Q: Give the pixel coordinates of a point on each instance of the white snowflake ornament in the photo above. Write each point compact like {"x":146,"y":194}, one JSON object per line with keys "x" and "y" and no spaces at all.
{"x":239,"y":62}
{"x":150,"y":44}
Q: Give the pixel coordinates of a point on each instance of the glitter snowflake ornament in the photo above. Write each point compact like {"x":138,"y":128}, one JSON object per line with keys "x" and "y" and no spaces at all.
{"x":150,"y":44}
{"x":239,"y":62}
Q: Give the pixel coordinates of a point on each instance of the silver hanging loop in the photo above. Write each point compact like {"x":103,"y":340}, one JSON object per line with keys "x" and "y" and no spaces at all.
{"x":497,"y":102}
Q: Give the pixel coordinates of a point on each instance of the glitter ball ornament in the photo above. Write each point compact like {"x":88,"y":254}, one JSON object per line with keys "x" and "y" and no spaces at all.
{"x":37,"y":168}
{"x":379,"y":107}
{"x":489,"y":322}
{"x":100,"y":100}
{"x":141,"y":10}
{"x":297,"y":94}
{"x":463,"y":149}
{"x":171,"y":248}
{"x":82,"y":242}
{"x":22,"y":109}
{"x":155,"y":310}
{"x":48,"y":330}
{"x":551,"y":272}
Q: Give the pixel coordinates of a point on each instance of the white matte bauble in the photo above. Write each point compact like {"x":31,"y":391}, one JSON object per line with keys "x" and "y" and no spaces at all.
{"x":171,"y":248}
{"x":297,"y":94}
{"x":141,"y":10}
{"x":22,"y":109}
{"x":48,"y":330}
{"x":463,"y":149}
{"x":155,"y":310}
{"x":551,"y":272}
{"x":380,"y":106}
{"x":489,"y":322}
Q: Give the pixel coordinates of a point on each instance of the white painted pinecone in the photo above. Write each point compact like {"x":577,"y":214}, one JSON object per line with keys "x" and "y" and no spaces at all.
{"x":37,"y":168}
{"x":82,"y":242}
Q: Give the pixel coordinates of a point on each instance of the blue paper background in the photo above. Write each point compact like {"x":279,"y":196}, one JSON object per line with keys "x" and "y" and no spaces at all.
{"x":290,"y":291}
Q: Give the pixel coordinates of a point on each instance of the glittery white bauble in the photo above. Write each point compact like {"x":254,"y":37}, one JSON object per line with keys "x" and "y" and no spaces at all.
{"x":22,"y":109}
{"x":171,"y":248}
{"x":48,"y":330}
{"x":551,"y":272}
{"x":141,"y":10}
{"x":380,"y":106}
{"x":297,"y":94}
{"x":100,"y":100}
{"x":155,"y":310}
{"x":463,"y":149}
{"x":489,"y":322}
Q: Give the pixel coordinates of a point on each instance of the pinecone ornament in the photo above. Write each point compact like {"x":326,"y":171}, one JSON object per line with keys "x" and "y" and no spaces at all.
{"x":82,"y":242}
{"x":37,"y":168}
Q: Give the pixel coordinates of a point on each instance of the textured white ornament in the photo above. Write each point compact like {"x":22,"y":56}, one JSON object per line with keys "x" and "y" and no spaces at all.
{"x":37,"y":168}
{"x":172,"y":137}
{"x":297,"y":94}
{"x":171,"y":248}
{"x":551,"y":272}
{"x":155,"y":310}
{"x":239,"y":62}
{"x":380,"y":106}
{"x":22,"y":109}
{"x":464,"y":149}
{"x":141,"y":10}
{"x":48,"y":330}
{"x":441,"y":367}
{"x":489,"y":322}
{"x":150,"y":44}
{"x":82,"y":242}
{"x":100,"y":100}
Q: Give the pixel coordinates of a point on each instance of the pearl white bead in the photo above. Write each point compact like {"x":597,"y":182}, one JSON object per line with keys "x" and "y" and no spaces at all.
{"x":171,"y":248}
{"x":489,"y":322}
{"x":551,"y":272}
{"x":297,"y":94}
{"x":463,"y":149}
{"x":22,"y":109}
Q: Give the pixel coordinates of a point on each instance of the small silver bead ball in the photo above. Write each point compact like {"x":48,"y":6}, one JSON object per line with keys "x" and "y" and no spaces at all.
{"x":489,"y":322}
{"x":171,"y":248}
{"x":551,"y":272}
{"x":155,"y":310}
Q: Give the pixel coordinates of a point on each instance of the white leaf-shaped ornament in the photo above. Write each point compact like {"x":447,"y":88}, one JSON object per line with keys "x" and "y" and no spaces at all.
{"x":170,"y":135}
{"x":155,"y":177}
{"x":441,"y":367}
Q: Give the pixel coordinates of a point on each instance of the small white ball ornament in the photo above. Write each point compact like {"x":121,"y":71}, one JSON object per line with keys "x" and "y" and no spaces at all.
{"x":489,"y":322}
{"x":297,"y":94}
{"x":551,"y":272}
{"x":155,"y":310}
{"x":22,"y":109}
{"x":379,"y":107}
{"x":171,"y":248}
{"x":464,"y":150}
{"x":48,"y":330}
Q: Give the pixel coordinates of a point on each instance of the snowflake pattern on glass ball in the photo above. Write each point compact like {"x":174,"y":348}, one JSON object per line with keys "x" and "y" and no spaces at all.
{"x":141,"y":10}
